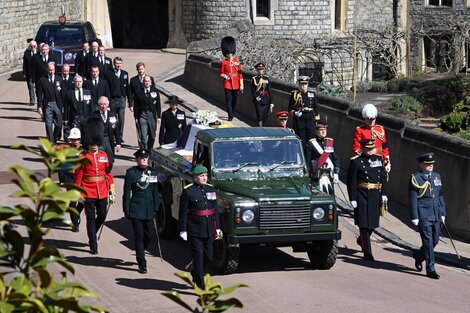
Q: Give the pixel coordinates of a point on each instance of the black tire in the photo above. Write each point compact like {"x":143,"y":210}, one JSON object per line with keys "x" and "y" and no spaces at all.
{"x":226,"y":256}
{"x":322,"y":254}
{"x":166,"y":224}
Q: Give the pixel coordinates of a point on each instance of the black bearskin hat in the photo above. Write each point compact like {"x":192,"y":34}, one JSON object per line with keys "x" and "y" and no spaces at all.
{"x":93,"y":131}
{"x":228,"y":45}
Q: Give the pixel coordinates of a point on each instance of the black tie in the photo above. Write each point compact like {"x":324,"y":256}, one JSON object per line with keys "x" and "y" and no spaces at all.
{"x":94,"y":82}
{"x":51,"y":80}
{"x":79,"y":96}
{"x":147,"y":92}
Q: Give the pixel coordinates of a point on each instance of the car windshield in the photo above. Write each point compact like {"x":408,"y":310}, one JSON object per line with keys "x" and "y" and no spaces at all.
{"x":61,"y":35}
{"x":269,"y":154}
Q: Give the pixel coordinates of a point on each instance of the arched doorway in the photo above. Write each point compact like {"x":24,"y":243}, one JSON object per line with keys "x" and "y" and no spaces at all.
{"x":139,"y":23}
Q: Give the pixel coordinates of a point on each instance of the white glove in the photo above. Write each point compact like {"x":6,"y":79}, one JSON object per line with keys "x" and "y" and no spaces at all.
{"x":443,"y":218}
{"x":112,"y":198}
{"x":184,"y":235}
{"x":415,"y":222}
{"x":335,"y":178}
{"x":353,"y":204}
{"x":271,"y":107}
{"x":388,"y":167}
{"x":218,"y":233}
{"x":384,"y":199}
{"x":298,"y":113}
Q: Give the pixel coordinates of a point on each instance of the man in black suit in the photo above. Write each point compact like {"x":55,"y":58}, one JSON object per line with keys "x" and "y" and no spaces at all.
{"x":112,"y":136}
{"x":91,"y":59}
{"x":50,"y":105}
{"x":146,"y":111}
{"x":118,"y":81}
{"x":40,"y":62}
{"x":173,"y":122}
{"x":80,"y":59}
{"x":137,"y":83}
{"x":28,"y":69}
{"x":98,"y":86}
{"x":66,"y":78}
{"x":77,"y":104}
{"x":103,"y":62}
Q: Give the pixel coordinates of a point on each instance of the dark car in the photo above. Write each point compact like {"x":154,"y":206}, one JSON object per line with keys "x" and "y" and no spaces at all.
{"x":65,"y":39}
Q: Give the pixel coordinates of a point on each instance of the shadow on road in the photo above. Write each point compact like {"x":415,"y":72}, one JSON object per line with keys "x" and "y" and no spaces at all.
{"x":150,"y":284}
{"x":28,"y":108}
{"x":16,"y":77}
{"x":102,"y":262}
{"x":22,"y":118}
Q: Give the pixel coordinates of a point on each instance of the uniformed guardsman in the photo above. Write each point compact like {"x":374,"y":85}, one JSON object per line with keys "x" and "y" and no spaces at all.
{"x":324,"y":161}
{"x":282,"y":118}
{"x":428,"y":210}
{"x":199,"y":221}
{"x":302,"y":107}
{"x":370,"y":129}
{"x":96,"y":179}
{"x":141,"y":201}
{"x":261,"y":95}
{"x":366,"y":189}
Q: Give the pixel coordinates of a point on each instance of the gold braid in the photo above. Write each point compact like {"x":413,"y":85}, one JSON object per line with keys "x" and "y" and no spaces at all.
{"x":421,"y":188}
{"x":380,"y":134}
{"x":258,"y":85}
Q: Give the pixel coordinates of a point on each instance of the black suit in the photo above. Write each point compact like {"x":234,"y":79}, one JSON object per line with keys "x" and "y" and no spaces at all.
{"x":112,"y":135}
{"x":118,"y":87}
{"x":50,"y":95}
{"x":134,"y":86}
{"x":103,"y":67}
{"x":172,"y":126}
{"x":146,"y":111}
{"x":90,"y":61}
{"x":28,"y":69}
{"x":81,"y":67}
{"x":67,"y":84}
{"x":75,"y":111}
{"x":102,"y":89}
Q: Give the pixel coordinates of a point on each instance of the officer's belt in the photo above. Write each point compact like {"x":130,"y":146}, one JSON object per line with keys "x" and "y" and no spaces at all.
{"x":95,"y":178}
{"x":307,"y":109}
{"x":201,"y":212}
{"x":364,"y":185}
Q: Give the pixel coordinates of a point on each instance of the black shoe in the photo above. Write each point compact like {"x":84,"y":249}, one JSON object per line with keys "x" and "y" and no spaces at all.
{"x":230,"y":119}
{"x":368,"y":257}
{"x":358,"y":241}
{"x":31,"y":104}
{"x":94,"y":251}
{"x":75,"y":228}
{"x":142,"y":269}
{"x":433,"y":275}
{"x":418,"y":263}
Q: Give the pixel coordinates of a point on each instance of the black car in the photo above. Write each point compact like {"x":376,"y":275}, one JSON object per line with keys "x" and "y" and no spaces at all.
{"x":65,"y":39}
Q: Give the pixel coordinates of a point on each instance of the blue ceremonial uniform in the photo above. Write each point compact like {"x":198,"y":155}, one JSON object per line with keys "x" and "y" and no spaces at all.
{"x":428,"y":206}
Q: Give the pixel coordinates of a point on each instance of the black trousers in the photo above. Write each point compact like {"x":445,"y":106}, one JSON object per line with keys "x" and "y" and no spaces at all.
{"x":78,"y":205}
{"x":201,"y":252}
{"x":144,"y":232}
{"x":304,"y":127}
{"x":364,"y":240}
{"x":262,"y":110}
{"x":95,"y":211}
{"x":231,"y":97}
{"x":429,"y":232}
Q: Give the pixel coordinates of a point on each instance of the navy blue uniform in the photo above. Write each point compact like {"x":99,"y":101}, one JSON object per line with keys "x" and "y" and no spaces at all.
{"x":197,"y":199}
{"x":428,"y":206}
{"x":306,"y":102}
{"x":262,"y":97}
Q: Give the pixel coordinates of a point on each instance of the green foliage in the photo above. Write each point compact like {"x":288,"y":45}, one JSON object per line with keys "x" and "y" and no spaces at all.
{"x":405,"y":104}
{"x":330,"y":90}
{"x":27,"y":285}
{"x":207,"y":299}
{"x":378,"y":86}
{"x":418,"y":74}
{"x":464,"y":135}
{"x":453,"y":121}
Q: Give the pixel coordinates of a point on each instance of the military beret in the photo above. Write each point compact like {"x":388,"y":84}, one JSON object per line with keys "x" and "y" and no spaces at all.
{"x":141,"y":153}
{"x":260,"y":65}
{"x":426,"y":158}
{"x":199,"y":169}
{"x":368,"y":143}
{"x":282,"y":115}
{"x":303,"y":80}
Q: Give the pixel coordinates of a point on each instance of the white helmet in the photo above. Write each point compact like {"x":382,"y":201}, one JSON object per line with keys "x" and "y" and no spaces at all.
{"x":369,"y":111}
{"x":75,"y":133}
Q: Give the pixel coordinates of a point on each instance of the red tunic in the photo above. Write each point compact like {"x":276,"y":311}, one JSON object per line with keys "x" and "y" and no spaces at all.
{"x":92,"y":176}
{"x":233,"y":69}
{"x":378,"y":133}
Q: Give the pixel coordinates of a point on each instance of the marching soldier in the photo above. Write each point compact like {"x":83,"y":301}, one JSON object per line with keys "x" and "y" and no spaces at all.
{"x":370,"y":129}
{"x":95,"y":178}
{"x":324,"y":161}
{"x":173,"y":122}
{"x":366,"y":189}
{"x":428,"y":209}
{"x":303,"y":106}
{"x":141,"y":202}
{"x":199,"y":221}
{"x":282,"y":117}
{"x":261,"y":94}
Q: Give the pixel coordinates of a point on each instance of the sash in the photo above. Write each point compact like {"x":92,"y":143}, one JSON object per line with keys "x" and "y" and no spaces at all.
{"x":324,"y":156}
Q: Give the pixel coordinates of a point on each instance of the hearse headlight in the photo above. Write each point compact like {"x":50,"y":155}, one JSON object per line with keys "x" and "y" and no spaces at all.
{"x":248,"y":216}
{"x":318,"y":213}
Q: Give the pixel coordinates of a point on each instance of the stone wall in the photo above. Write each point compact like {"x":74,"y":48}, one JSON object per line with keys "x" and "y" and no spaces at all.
{"x":21,"y":20}
{"x":405,"y":141}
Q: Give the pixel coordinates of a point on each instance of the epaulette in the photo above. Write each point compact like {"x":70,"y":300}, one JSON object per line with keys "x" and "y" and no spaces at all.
{"x":210,"y":185}
{"x":187,"y":186}
{"x":355,"y":156}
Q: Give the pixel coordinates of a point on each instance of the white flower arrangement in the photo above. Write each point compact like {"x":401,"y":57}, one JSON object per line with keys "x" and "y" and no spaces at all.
{"x":204,"y":117}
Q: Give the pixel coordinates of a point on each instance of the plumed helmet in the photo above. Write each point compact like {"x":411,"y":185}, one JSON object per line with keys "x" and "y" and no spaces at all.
{"x":228,"y":45}
{"x":93,"y":131}
{"x":369,"y":111}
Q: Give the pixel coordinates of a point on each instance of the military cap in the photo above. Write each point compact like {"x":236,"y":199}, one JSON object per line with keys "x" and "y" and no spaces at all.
{"x":368,"y":143}
{"x":172,"y":99}
{"x":260,"y":65}
{"x":75,"y":133}
{"x":303,"y":80}
{"x":322,"y":121}
{"x":199,"y":169}
{"x":93,"y":131}
{"x":282,"y":115}
{"x":427,"y":158}
{"x":141,"y":153}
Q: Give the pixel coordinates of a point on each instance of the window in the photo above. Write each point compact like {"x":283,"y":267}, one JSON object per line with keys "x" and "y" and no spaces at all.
{"x":440,"y":3}
{"x":262,"y":8}
{"x":437,"y":53}
{"x":339,"y":15}
{"x":263,"y":11}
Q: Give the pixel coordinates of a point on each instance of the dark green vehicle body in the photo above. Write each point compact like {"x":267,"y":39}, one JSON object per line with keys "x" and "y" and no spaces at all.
{"x":263,"y":189}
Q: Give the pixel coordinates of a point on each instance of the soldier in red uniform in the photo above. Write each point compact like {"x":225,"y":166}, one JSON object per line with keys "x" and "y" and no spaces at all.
{"x":372,"y":130}
{"x":230,"y":71}
{"x":95,"y":178}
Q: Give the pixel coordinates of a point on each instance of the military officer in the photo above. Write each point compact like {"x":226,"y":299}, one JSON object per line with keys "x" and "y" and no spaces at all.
{"x":282,"y":117}
{"x":302,"y":107}
{"x":428,"y":209}
{"x":370,"y":129}
{"x":199,"y":221}
{"x":324,"y":161}
{"x":141,"y":202}
{"x":261,"y":95}
{"x":366,"y":189}
{"x":173,"y":122}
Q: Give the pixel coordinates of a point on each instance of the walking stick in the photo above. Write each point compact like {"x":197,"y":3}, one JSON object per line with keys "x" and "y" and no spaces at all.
{"x":102,"y":225}
{"x":344,"y":195}
{"x":158,"y":240}
{"x":451,"y":241}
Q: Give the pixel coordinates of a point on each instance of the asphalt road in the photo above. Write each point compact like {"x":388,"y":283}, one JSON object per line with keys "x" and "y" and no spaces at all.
{"x":279,"y":280}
